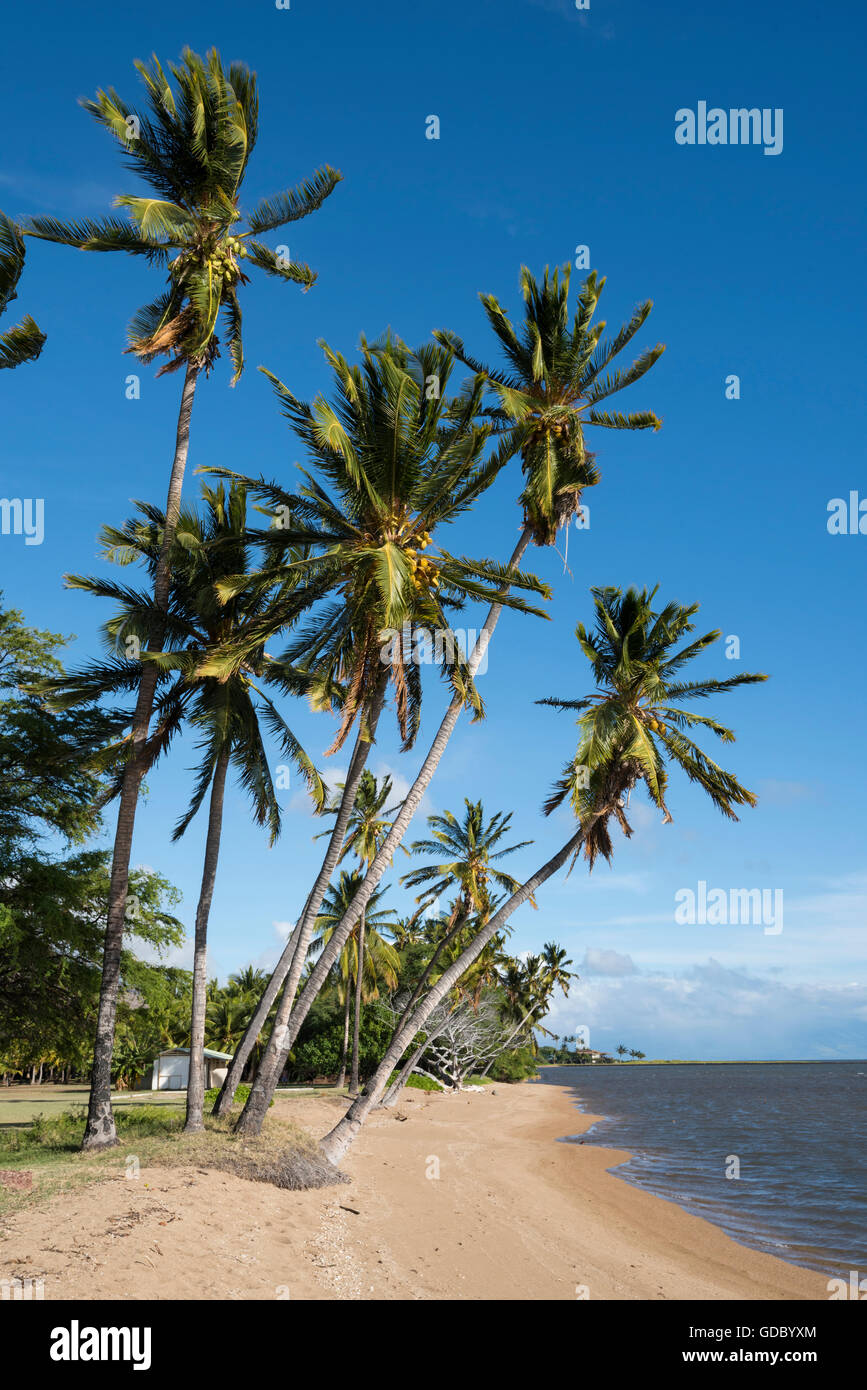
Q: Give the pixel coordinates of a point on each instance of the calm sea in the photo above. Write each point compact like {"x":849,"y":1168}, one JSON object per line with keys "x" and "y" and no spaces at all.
{"x":797,"y":1130}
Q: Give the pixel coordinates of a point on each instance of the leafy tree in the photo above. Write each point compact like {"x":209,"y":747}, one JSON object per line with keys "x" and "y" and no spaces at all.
{"x":548,"y":394}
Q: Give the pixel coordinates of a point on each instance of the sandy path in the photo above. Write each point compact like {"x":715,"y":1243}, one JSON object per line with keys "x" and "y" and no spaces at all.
{"x":511,"y":1215}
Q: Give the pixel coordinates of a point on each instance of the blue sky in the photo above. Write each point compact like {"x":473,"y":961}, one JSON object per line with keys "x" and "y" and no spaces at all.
{"x":557,"y":130}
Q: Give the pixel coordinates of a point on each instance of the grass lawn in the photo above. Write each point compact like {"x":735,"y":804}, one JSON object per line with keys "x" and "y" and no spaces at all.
{"x":19,"y":1105}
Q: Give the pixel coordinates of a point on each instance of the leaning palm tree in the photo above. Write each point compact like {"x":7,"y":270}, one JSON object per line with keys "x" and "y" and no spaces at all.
{"x":543,"y":409}
{"x":364,"y":961}
{"x":227,"y":716}
{"x":630,"y":728}
{"x":191,"y":145}
{"x":24,"y":341}
{"x":400,"y":462}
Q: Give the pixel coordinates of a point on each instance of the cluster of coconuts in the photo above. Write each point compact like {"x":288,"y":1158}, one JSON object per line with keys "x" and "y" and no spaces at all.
{"x":222,"y":261}
{"x":424,"y":571}
{"x":656,"y":725}
{"x":558,"y":428}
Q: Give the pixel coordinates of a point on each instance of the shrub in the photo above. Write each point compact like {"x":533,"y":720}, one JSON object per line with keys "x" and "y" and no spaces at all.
{"x":516,"y":1065}
{"x":242,"y":1095}
{"x":418,"y":1083}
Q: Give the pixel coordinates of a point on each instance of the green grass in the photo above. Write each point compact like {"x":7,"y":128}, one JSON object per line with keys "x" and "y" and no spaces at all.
{"x":19,"y":1105}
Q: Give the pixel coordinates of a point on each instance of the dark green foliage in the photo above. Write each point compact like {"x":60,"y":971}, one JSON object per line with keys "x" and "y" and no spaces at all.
{"x":516,"y":1065}
{"x":241,"y":1096}
{"x":53,"y":905}
{"x":320,"y":1042}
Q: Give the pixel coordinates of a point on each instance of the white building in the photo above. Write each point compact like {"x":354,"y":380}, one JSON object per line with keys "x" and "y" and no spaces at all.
{"x":170,"y":1071}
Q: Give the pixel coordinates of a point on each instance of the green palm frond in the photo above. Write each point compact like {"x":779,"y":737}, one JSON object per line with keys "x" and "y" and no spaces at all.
{"x":547,"y":398}
{"x":630,"y":731}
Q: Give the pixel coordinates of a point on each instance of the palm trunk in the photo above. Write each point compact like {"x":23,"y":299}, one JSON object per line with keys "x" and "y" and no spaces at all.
{"x":274,"y":1058}
{"x":337,"y":1141}
{"x":341,"y":1080}
{"x":399,"y":827}
{"x":356,"y":1022}
{"x":234,"y":1076}
{"x":196,"y":1083}
{"x":100,"y":1129}
{"x":394,"y":1090}
{"x":455,"y":924}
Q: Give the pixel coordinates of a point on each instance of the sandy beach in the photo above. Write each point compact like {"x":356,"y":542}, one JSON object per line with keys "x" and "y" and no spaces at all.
{"x":512,"y":1214}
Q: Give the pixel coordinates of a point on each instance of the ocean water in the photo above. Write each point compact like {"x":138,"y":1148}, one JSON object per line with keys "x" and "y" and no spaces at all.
{"x":797,"y":1130}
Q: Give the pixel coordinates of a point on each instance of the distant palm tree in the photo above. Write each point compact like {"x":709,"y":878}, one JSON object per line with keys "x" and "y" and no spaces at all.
{"x":621,"y":1050}
{"x":363,"y":962}
{"x":191,"y":146}
{"x":529,"y":989}
{"x":468,"y":851}
{"x":250,"y":980}
{"x":23,"y":342}
{"x":635,"y":658}
{"x":368,"y":826}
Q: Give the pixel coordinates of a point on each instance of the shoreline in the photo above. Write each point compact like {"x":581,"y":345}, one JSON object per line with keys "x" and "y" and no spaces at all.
{"x":464,"y":1196}
{"x":749,"y":1237}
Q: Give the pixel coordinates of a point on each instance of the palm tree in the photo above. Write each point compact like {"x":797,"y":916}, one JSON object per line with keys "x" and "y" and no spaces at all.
{"x":250,"y":980}
{"x":469,"y":868}
{"x":226,"y":1016}
{"x":191,"y":146}
{"x":226,"y":714}
{"x":534,"y":986}
{"x":628,"y":729}
{"x":543,"y":409}
{"x":23,"y":342}
{"x":364,"y":960}
{"x":621,"y":1050}
{"x":401,"y":462}
{"x":469,"y":845}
